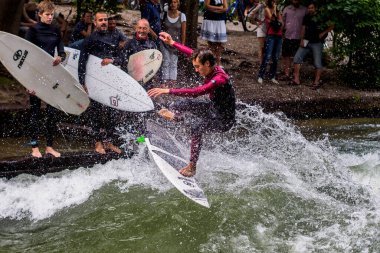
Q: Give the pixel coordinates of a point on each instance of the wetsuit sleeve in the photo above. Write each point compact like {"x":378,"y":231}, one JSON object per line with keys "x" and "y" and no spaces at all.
{"x":83,"y":58}
{"x":31,"y":35}
{"x":214,"y":83}
{"x":60,"y":46}
{"x":184,"y":49}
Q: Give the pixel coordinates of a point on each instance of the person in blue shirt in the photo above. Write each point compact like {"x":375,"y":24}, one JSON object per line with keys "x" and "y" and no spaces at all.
{"x":82,"y":30}
{"x":152,"y":12}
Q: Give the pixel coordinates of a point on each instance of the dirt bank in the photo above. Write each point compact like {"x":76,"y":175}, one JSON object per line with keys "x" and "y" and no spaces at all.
{"x":241,"y":62}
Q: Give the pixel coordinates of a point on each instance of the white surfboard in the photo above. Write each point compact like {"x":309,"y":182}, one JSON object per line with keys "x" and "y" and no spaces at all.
{"x":33,"y":68}
{"x":144,"y":65}
{"x":109,"y":85}
{"x":166,"y":153}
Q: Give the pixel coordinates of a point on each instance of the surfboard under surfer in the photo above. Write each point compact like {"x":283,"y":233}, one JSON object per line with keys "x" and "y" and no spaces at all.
{"x":217,"y":114}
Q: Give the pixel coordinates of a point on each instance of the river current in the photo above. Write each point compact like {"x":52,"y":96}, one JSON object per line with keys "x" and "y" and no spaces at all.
{"x":274,"y":185}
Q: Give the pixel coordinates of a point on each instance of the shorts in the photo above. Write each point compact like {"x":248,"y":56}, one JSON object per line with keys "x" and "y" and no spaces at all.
{"x":316,"y":49}
{"x":290,"y":47}
{"x":260,"y":32}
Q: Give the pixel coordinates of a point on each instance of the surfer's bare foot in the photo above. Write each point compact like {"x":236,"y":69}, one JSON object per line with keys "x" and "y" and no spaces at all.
{"x":110,"y":146}
{"x":51,"y":151}
{"x":166,"y":114}
{"x":99,"y":148}
{"x":189,"y":170}
{"x":36,"y":152}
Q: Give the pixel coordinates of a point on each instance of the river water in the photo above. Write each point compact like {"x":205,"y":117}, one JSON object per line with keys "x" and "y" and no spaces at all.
{"x":274,"y":185}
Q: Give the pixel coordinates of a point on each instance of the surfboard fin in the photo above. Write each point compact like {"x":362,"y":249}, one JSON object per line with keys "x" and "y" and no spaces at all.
{"x":60,"y":107}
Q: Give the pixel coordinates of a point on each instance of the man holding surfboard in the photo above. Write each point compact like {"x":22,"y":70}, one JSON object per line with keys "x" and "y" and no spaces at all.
{"x":99,"y":43}
{"x":214,"y":115}
{"x":47,"y":37}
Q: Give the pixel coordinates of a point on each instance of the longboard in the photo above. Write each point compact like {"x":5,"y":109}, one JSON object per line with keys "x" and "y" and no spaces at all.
{"x":33,"y":68}
{"x":144,"y":65}
{"x":166,"y":153}
{"x":109,"y":85}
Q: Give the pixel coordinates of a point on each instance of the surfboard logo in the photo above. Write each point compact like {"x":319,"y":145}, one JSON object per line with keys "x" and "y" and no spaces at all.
{"x":18,"y":54}
{"x":114,"y":100}
{"x":151,"y":56}
{"x":151,"y":72}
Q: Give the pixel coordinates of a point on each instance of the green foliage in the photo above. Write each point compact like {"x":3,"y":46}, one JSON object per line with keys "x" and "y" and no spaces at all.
{"x":109,"y":6}
{"x":356,"y":39}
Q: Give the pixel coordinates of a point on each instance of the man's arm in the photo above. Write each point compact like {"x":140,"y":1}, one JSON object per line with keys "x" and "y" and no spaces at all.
{"x":83,"y":58}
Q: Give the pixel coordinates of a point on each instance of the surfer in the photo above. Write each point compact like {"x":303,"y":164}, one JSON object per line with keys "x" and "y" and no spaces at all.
{"x":217,"y":114}
{"x":99,"y":43}
{"x":48,"y":37}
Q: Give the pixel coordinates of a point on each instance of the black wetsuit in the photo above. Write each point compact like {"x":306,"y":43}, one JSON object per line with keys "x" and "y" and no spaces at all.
{"x":100,"y":44}
{"x":47,"y":37}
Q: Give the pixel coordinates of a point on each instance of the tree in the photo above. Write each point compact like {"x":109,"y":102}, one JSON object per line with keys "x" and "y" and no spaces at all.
{"x":10,"y":15}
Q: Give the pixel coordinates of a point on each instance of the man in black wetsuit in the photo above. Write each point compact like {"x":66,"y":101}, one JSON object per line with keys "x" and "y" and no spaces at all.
{"x":99,"y":43}
{"x":48,"y":37}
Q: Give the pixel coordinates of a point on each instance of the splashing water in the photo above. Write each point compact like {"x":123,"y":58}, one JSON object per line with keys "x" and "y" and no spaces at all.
{"x":270,"y":189}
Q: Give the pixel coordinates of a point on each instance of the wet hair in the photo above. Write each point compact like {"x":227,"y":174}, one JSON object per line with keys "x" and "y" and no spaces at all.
{"x":85,"y":12}
{"x":45,"y":6}
{"x":204,"y":55}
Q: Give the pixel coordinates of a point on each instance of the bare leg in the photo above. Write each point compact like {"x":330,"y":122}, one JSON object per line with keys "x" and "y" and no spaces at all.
{"x":297,"y":68}
{"x":51,"y":151}
{"x":261,"y":48}
{"x":110,"y":146}
{"x":189,"y":170}
{"x":286,"y":65}
{"x":99,"y":148}
{"x":318,"y":73}
{"x":36,"y":152}
{"x":166,"y":114}
{"x":216,"y":48}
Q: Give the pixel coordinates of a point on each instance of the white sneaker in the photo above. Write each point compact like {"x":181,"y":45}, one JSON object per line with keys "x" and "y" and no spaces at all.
{"x":274,"y":81}
{"x":260,"y":80}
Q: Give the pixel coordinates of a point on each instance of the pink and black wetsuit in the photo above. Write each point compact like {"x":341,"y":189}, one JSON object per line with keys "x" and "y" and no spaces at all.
{"x":214,"y":115}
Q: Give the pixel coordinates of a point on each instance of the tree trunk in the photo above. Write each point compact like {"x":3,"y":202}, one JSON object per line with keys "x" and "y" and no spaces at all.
{"x":190,"y":8}
{"x":10,"y":15}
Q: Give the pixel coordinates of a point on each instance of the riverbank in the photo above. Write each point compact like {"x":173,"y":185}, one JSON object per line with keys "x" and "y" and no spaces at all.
{"x":240,"y":60}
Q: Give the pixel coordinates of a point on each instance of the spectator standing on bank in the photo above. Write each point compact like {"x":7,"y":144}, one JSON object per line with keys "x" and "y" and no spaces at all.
{"x":117,"y":37}
{"x":273,"y":41}
{"x":151,"y":11}
{"x":312,"y":39}
{"x":292,"y":16}
{"x":47,"y":37}
{"x":213,"y":28}
{"x":258,"y":15}
{"x":82,"y":30}
{"x":174,"y":23}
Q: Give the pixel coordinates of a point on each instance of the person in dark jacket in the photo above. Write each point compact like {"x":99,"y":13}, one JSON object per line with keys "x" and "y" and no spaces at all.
{"x":151,"y":11}
{"x":100,"y":43}
{"x":214,"y":115}
{"x":48,"y":37}
{"x":139,"y":42}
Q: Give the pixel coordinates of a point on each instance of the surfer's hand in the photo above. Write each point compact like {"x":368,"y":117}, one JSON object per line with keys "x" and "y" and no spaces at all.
{"x":155,"y":92}
{"x":106,"y":61}
{"x":31,"y":92}
{"x":167,"y":38}
{"x":57,"y":60}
